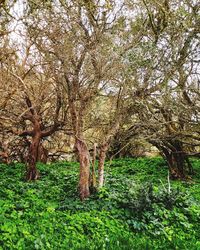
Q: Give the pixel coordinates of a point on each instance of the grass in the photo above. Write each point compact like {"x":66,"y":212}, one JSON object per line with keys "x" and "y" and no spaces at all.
{"x":134,"y":210}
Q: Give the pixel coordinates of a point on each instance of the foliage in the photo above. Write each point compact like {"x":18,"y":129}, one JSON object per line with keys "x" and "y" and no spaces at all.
{"x":135,"y":209}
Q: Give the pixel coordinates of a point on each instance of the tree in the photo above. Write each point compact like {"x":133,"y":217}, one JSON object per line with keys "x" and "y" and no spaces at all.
{"x":105,"y":122}
{"x":31,"y":109}
{"x":83,"y":60}
{"x":165,"y":86}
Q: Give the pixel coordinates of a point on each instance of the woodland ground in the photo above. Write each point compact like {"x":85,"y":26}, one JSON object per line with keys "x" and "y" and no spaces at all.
{"x":137,"y":209}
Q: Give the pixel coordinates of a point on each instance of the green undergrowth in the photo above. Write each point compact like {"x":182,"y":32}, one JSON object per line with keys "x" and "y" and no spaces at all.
{"x":136,"y":209}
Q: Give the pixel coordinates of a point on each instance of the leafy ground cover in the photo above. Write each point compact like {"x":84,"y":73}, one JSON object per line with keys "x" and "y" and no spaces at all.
{"x":137,"y":208}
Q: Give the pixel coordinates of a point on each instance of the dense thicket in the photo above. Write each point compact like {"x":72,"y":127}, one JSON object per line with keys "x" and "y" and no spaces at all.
{"x":81,"y":76}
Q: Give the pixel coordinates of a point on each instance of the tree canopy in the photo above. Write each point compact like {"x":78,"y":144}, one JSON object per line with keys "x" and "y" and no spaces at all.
{"x":99,"y":77}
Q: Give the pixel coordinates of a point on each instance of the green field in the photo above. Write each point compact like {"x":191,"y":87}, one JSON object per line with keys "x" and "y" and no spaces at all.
{"x":137,"y":208}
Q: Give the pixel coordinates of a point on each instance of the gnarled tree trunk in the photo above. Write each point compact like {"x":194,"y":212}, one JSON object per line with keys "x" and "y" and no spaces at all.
{"x":84,"y":161}
{"x":42,"y":154}
{"x":176,"y":163}
{"x":32,"y":172}
{"x":176,"y":158}
{"x":77,"y":114}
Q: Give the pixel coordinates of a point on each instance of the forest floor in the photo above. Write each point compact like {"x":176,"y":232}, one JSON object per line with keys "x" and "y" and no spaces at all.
{"x":137,"y":208}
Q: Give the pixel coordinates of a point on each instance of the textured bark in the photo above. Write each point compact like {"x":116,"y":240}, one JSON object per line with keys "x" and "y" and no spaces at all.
{"x":102,"y":157}
{"x":32,"y":172}
{"x":84,"y":160}
{"x":36,"y":151}
{"x":93,"y":177}
{"x":176,"y":158}
{"x":42,"y":154}
{"x":80,"y":144}
{"x":4,"y":157}
{"x":176,"y":163}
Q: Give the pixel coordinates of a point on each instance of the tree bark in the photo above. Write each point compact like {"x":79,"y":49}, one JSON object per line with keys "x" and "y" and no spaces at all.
{"x":102,"y":157}
{"x":176,"y":163}
{"x":80,"y":144}
{"x":32,"y":172}
{"x":4,"y":157}
{"x":176,"y":158}
{"x":42,"y":154}
{"x":84,"y":161}
{"x":93,"y":177}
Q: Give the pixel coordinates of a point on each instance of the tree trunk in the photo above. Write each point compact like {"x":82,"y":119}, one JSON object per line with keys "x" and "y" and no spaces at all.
{"x":93,"y":177}
{"x":176,"y":158}
{"x":32,"y":172}
{"x":42,"y":154}
{"x":102,"y":157}
{"x":4,"y":157}
{"x":84,"y":160}
{"x":176,"y":163}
